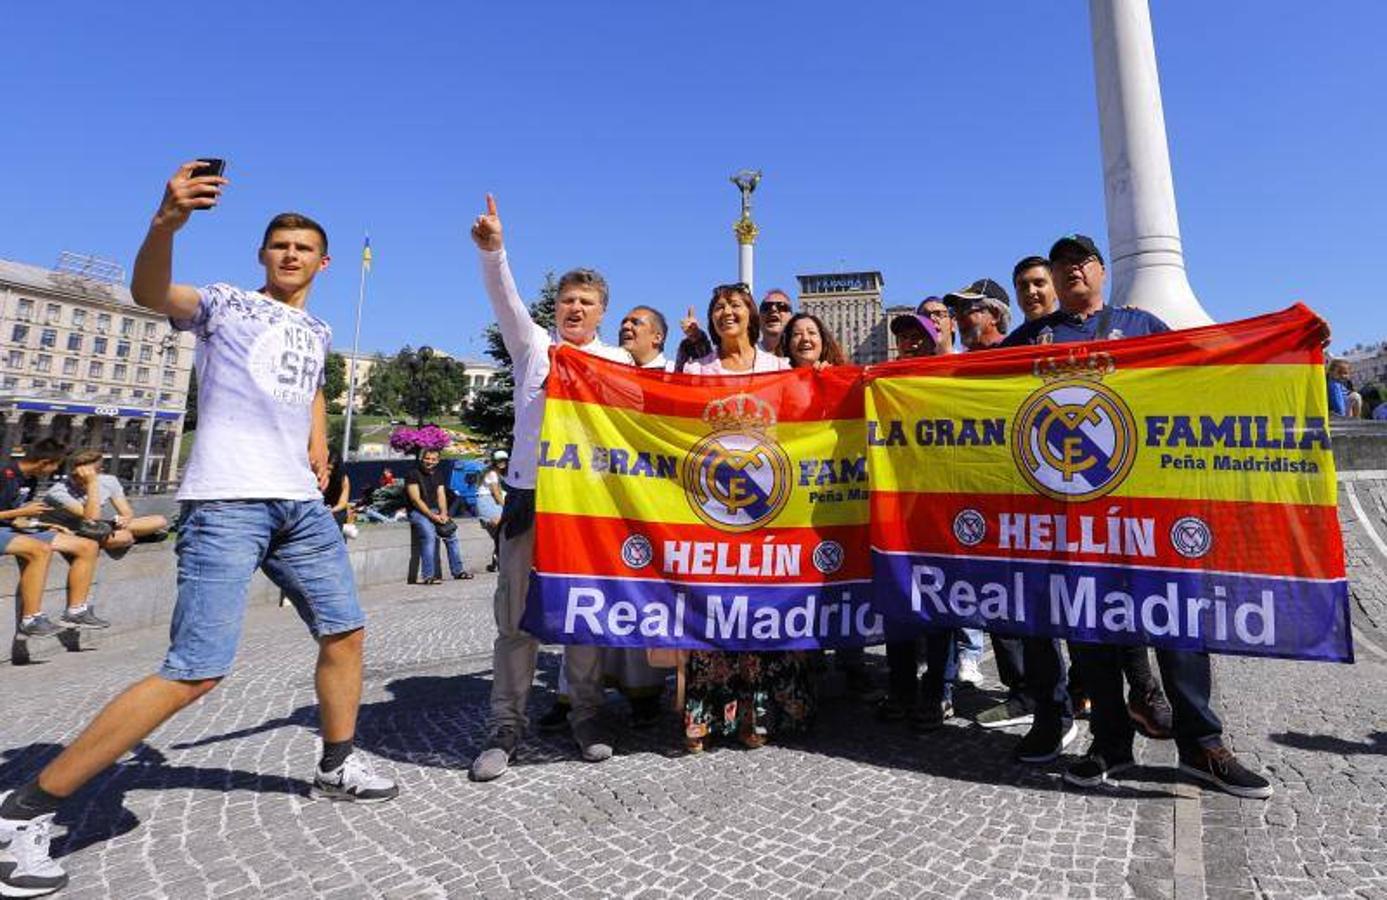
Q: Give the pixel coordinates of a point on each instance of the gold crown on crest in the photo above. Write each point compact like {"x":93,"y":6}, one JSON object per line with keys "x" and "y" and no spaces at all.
{"x":1082,"y":364}
{"x":739,"y":411}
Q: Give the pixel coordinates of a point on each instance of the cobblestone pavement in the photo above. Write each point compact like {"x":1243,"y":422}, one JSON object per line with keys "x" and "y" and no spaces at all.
{"x":216,"y":804}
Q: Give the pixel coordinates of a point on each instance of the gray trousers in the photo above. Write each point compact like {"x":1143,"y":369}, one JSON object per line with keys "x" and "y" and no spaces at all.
{"x":514,"y":653}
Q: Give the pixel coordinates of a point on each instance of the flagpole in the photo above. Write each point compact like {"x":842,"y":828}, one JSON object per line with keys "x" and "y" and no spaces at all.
{"x":356,"y":342}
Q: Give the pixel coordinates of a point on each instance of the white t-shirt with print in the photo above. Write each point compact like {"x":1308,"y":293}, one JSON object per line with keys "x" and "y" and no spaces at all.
{"x":259,"y":365}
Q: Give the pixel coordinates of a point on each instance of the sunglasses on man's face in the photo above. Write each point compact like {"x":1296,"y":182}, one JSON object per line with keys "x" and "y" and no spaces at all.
{"x":775,"y":307}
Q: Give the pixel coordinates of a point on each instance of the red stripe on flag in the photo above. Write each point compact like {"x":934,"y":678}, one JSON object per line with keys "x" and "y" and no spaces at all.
{"x":1257,"y":538}
{"x":795,"y":395}
{"x":592,"y":545}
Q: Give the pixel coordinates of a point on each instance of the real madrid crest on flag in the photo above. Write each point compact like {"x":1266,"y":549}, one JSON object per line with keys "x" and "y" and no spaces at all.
{"x":1075,"y":438}
{"x":737,"y":478}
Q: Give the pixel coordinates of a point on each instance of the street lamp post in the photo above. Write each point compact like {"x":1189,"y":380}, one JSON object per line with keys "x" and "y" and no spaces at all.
{"x":418,"y":363}
{"x":166,"y":343}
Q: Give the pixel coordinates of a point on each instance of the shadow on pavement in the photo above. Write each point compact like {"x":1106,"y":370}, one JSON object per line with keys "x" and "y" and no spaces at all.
{"x":97,"y":812}
{"x":1324,"y":743}
{"x":440,"y":721}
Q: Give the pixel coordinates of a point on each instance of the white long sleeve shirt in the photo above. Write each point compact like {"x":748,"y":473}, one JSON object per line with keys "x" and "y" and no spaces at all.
{"x":528,"y":346}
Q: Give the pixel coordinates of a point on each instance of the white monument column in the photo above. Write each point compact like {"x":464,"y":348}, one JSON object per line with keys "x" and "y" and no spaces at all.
{"x":745,"y":230}
{"x":746,"y":243}
{"x":1145,"y":257}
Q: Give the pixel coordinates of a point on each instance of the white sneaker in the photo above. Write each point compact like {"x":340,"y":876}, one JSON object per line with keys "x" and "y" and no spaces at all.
{"x":26,"y":869}
{"x":354,"y":780}
{"x":969,"y":672}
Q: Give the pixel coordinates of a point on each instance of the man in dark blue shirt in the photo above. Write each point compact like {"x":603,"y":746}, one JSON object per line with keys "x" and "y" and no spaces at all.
{"x":1082,"y":316}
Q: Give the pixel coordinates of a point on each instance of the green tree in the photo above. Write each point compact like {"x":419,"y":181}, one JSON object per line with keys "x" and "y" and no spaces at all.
{"x":335,"y":382}
{"x":400,"y":387}
{"x":491,"y":414}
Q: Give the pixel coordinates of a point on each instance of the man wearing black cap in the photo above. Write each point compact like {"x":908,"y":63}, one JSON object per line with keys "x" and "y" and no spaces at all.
{"x":1082,"y":316}
{"x":983,"y":313}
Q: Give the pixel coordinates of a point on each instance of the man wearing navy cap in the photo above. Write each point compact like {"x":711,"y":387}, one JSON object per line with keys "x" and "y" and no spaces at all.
{"x":1079,"y":272}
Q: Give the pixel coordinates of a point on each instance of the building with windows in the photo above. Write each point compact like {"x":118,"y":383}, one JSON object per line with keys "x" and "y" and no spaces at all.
{"x":1367,"y":365}
{"x":82,"y":363}
{"x":849,"y":304}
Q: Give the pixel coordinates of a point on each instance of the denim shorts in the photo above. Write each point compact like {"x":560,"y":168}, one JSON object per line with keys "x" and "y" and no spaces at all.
{"x":220,"y":545}
{"x":9,"y":534}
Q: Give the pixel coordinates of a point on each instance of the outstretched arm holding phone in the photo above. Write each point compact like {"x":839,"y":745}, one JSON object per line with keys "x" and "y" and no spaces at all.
{"x":151,"y":284}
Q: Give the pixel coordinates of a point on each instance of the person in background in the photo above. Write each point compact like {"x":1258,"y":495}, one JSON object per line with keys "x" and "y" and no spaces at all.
{"x":337,"y":494}
{"x":775,"y":311}
{"x":1035,"y":287}
{"x":1339,"y":385}
{"x":71,"y":496}
{"x":387,"y":478}
{"x":926,"y":703}
{"x":23,"y":536}
{"x":806,"y":342}
{"x":428,"y":517}
{"x":642,"y":334}
{"x":491,"y":499}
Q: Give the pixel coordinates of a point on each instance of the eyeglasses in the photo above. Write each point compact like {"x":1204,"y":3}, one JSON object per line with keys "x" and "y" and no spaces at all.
{"x":775,"y":307}
{"x":937,"y":313}
{"x":1074,"y":261}
{"x":741,"y":286}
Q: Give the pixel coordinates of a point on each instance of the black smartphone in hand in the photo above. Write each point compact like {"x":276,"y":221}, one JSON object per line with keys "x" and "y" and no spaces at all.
{"x":210,"y":166}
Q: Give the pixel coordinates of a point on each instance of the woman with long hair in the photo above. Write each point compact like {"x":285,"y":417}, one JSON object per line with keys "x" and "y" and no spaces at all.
{"x":750,"y":696}
{"x":806,"y":342}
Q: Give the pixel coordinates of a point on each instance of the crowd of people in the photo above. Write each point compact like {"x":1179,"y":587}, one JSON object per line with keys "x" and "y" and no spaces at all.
{"x":755,"y":697}
{"x":259,"y":492}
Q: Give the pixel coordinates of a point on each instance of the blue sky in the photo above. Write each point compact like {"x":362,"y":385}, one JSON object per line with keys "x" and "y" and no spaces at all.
{"x":937,"y":143}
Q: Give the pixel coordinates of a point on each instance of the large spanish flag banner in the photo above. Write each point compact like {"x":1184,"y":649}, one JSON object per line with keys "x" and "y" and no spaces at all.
{"x":1175,"y":490}
{"x":698,"y":512}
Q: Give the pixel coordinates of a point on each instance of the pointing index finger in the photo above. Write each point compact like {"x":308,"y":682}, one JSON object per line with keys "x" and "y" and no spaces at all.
{"x":490,"y":205}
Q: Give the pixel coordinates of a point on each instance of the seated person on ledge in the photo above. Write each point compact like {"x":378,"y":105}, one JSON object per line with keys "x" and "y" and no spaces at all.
{"x":74,"y":496}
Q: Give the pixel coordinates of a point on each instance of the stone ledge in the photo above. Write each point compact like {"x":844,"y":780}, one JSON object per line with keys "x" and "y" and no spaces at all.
{"x":138,"y":590}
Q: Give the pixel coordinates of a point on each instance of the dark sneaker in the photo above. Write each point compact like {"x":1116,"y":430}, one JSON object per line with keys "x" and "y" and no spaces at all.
{"x":889,"y":709}
{"x":495,"y":759}
{"x":26,"y":869}
{"x":40,"y":626}
{"x":645,"y":711}
{"x":1014,"y":711}
{"x":1218,"y":766}
{"x":556,"y":719}
{"x":87,"y":620}
{"x":593,"y":741}
{"x":1094,"y":768}
{"x":1151,"y":715}
{"x":931,"y":716}
{"x":157,"y":537}
{"x":354,"y":780}
{"x":1044,"y":743}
